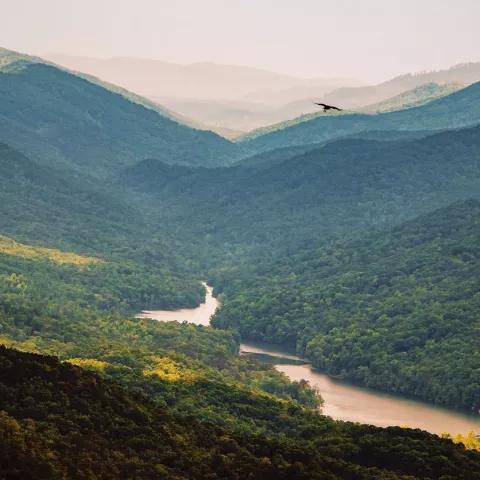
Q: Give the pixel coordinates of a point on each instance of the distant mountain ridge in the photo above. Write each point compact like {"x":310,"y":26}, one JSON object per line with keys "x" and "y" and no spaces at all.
{"x":457,"y":110}
{"x":205,"y":80}
{"x":231,"y":99}
{"x":242,"y":116}
{"x":348,"y":98}
{"x":416,"y":97}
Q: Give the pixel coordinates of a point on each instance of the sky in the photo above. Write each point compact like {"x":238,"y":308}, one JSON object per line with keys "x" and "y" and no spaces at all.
{"x":372,"y":40}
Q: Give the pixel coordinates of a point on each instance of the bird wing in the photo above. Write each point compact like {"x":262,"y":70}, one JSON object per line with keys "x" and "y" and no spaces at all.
{"x":321,"y":104}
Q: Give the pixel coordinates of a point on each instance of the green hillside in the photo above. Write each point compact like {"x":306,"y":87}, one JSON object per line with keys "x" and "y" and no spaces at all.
{"x":47,"y":207}
{"x":396,"y":311}
{"x":459,"y":109}
{"x":57,"y":206}
{"x":61,"y":119}
{"x":8,"y":57}
{"x":345,"y":185}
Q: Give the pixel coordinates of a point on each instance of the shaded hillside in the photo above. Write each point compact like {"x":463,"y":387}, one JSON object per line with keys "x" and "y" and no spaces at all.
{"x":51,"y":207}
{"x":345,"y":185}
{"x":457,"y":110}
{"x":396,"y":311}
{"x":280,"y":155}
{"x":49,"y":204}
{"x":71,"y":423}
{"x":61,"y":119}
{"x":353,"y":98}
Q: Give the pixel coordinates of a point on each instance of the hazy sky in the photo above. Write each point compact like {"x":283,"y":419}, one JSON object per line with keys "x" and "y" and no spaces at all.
{"x":368,"y":39}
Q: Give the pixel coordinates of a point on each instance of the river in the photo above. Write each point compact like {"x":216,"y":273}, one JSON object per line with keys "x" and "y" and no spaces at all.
{"x":200,"y":315}
{"x":343,"y":401}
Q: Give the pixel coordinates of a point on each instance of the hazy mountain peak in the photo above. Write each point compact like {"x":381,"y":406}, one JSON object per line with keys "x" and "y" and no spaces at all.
{"x":164,"y":79}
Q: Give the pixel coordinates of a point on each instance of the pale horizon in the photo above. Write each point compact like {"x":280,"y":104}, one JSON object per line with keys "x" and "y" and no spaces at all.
{"x":367,"y":40}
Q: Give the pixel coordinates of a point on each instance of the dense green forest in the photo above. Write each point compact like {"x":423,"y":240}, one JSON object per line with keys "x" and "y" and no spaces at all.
{"x":186,"y":371}
{"x":245,"y":228}
{"x":60,"y":421}
{"x":46,"y":206}
{"x":397,"y":310}
{"x":77,"y":308}
{"x":349,"y":184}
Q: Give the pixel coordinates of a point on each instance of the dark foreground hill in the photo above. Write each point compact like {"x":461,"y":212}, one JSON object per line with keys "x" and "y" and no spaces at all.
{"x":61,"y":119}
{"x":61,"y":422}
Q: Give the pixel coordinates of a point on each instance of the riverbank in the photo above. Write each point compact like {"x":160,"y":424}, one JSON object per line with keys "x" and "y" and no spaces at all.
{"x":353,"y":403}
{"x":343,"y":401}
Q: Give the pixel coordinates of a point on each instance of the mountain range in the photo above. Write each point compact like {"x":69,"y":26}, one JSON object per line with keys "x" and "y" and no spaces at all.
{"x":199,"y":80}
{"x":352,"y":98}
{"x":242,"y":116}
{"x":232,"y":99}
{"x":352,"y":238}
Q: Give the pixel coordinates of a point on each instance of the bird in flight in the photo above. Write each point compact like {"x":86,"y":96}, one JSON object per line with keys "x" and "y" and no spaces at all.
{"x":327,"y":107}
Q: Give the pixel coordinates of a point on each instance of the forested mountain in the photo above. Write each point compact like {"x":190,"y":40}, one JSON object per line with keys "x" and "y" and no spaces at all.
{"x":71,"y":423}
{"x":8,"y":57}
{"x":60,"y":119}
{"x":352,"y":98}
{"x":407,"y":99}
{"x":52,"y":207}
{"x":397,"y":310}
{"x":108,"y":208}
{"x":56,"y":206}
{"x":457,"y":110}
{"x":345,"y":185}
{"x":274,"y":219}
{"x":280,"y":155}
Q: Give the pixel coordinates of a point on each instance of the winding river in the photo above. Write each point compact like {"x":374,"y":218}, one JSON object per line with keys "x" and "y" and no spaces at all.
{"x":343,"y":401}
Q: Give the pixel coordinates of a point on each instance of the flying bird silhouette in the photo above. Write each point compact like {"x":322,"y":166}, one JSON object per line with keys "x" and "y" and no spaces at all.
{"x":327,"y":107}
